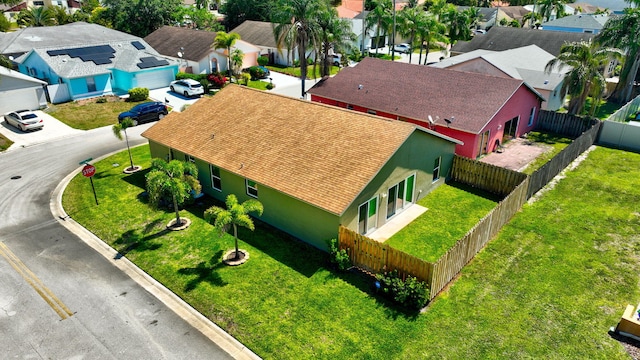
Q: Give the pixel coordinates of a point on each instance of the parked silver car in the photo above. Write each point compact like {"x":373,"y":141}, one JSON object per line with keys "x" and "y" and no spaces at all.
{"x":187,"y":87}
{"x":24,"y":120}
{"x":403,"y":48}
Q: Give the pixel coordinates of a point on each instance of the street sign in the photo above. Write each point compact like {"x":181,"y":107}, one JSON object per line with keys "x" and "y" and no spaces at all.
{"x":83,"y":162}
{"x":88,"y":170}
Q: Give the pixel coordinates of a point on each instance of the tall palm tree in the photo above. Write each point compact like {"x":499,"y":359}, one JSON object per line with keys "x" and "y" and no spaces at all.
{"x":175,"y":178}
{"x":235,"y":214}
{"x":586,"y":60}
{"x":548,"y":6}
{"x":381,"y":16}
{"x":458,"y":22}
{"x":429,"y":31}
{"x":118,"y":129}
{"x":39,"y":16}
{"x":335,"y":35}
{"x":409,"y":20}
{"x":623,"y":32}
{"x":297,"y":28}
{"x":436,"y":7}
{"x":225,"y":40}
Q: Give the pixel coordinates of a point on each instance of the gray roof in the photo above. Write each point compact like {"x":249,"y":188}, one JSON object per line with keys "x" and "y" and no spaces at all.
{"x":487,"y":13}
{"x":582,"y":21}
{"x":526,"y":63}
{"x":500,"y":38}
{"x":258,"y":33}
{"x":169,"y":39}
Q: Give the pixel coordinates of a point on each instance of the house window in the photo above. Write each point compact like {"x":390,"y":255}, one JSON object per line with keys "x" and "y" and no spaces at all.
{"x":349,"y":107}
{"x":189,"y":158}
{"x":532,"y":116}
{"x":91,"y":84}
{"x":252,"y":188}
{"x":372,"y":112}
{"x":400,"y":195}
{"x":216,"y":182}
{"x":436,"y":168}
{"x":367,"y":218}
{"x":38,"y":3}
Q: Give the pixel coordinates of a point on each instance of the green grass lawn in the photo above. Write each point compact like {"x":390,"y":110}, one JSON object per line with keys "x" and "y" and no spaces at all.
{"x":89,"y":115}
{"x":604,"y":110}
{"x":295,"y":71}
{"x":4,"y":143}
{"x":452,"y":212}
{"x":557,"y":143}
{"x":548,"y":287}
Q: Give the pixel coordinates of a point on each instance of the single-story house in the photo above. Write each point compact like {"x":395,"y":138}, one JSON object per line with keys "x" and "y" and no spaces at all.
{"x":487,"y":16}
{"x":526,"y":63}
{"x":313,"y":167}
{"x":19,"y":91}
{"x":106,"y":61}
{"x":500,"y":38}
{"x":581,"y":23}
{"x":192,"y":49}
{"x":481,"y":111}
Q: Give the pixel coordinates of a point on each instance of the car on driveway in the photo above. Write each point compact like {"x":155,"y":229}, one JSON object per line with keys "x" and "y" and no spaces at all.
{"x":145,"y":112}
{"x":403,"y":48}
{"x":187,"y":87}
{"x":24,"y":120}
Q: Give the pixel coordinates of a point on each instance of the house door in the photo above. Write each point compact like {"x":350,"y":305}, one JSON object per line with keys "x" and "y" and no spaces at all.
{"x":400,"y":196}
{"x":367,"y":216}
{"x":510,"y":128}
{"x":484,"y":141}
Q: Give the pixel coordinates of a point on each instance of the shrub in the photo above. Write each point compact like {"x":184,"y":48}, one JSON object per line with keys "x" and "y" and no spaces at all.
{"x":270,"y":86}
{"x":338,"y":257}
{"x":217,"y":80}
{"x":257,"y":72}
{"x":410,"y":293}
{"x":263,"y":60}
{"x":310,"y":61}
{"x":244,"y":78}
{"x":296,"y":63}
{"x":138,"y":94}
{"x":196,"y":77}
{"x":205,"y":84}
{"x":101,"y":100}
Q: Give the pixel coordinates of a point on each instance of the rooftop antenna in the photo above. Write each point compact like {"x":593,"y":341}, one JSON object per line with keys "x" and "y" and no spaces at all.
{"x":449,"y":121}
{"x":431,"y":122}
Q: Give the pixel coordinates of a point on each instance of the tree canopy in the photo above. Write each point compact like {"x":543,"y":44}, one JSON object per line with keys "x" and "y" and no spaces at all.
{"x":140,"y":17}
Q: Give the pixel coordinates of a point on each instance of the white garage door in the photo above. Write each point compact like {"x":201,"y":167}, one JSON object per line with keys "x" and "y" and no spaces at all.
{"x":19,"y":99}
{"x":154,"y":79}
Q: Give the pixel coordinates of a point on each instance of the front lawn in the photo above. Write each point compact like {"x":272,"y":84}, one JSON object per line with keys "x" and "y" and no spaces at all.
{"x":4,"y":143}
{"x":295,"y":71}
{"x":452,"y":211}
{"x":557,"y":143}
{"x":548,"y":287}
{"x":89,"y":114}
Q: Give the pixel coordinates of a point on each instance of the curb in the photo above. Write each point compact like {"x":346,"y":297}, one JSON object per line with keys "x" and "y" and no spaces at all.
{"x":220,"y":337}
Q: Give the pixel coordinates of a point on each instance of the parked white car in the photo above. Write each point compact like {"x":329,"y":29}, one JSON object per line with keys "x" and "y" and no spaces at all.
{"x":187,"y":87}
{"x":403,"y":48}
{"x":24,"y":120}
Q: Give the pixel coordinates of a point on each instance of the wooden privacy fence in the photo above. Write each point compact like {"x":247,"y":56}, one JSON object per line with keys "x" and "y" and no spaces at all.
{"x":548,"y":171}
{"x":563,"y":123}
{"x":491,"y":178}
{"x":376,"y":257}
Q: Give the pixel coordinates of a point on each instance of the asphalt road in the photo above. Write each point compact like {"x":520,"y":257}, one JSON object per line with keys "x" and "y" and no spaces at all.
{"x":59,"y":298}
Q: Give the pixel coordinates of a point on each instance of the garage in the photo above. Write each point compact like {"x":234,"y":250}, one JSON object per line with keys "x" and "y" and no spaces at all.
{"x":154,"y":79}
{"x":20,"y":92}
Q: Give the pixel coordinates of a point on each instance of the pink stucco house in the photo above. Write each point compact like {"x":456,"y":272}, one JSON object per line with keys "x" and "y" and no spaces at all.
{"x":480,"y":110}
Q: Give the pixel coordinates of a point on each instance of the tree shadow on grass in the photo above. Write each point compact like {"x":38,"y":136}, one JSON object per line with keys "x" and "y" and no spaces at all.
{"x":132,"y":240}
{"x":204,"y":272}
{"x":138,"y":178}
{"x":475,"y":191}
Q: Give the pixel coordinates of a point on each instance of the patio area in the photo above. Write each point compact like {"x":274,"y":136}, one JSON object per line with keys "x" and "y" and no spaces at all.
{"x":397,"y":223}
{"x":516,"y":154}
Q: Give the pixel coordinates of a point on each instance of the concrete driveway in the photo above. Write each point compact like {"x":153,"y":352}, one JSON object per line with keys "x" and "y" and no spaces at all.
{"x":289,"y":85}
{"x":176,"y":101}
{"x":53,"y":129}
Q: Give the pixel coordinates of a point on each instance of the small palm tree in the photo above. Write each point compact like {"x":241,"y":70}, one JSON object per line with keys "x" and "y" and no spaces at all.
{"x":381,"y":16}
{"x":237,"y":57}
{"x":118,"y":129}
{"x":336,"y":35}
{"x":225,"y":40}
{"x":176,"y":178}
{"x":235,"y":214}
{"x":39,"y":16}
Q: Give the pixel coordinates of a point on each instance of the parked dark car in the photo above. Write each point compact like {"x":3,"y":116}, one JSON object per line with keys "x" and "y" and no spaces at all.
{"x":145,"y":112}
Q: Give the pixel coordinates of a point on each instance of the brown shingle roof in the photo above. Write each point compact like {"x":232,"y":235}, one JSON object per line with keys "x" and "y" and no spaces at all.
{"x":416,"y":91}
{"x":319,"y":154}
{"x":168,"y":39}
{"x":258,"y":33}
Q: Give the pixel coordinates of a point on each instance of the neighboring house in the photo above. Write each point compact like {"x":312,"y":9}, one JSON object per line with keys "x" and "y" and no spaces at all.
{"x":487,"y":17}
{"x":500,"y":38}
{"x":582,"y":23}
{"x":584,"y":8}
{"x":479,"y":110}
{"x":526,"y":63}
{"x":512,"y":13}
{"x":192,"y":49}
{"x":20,"y":92}
{"x":312,"y":166}
{"x":370,"y":39}
{"x":10,"y":11}
{"x":104,"y":61}
{"x":260,"y":34}
{"x":537,"y":7}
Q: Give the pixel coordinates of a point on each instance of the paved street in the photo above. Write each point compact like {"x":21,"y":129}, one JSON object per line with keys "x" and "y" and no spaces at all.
{"x":59,"y":298}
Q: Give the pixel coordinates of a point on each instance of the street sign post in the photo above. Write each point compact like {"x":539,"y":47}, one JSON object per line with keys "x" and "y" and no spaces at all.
{"x":88,"y":171}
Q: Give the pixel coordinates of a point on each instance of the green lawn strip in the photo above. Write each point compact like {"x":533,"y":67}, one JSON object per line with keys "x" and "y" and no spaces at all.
{"x":4,"y":143}
{"x":452,"y":212}
{"x":258,"y":84}
{"x":295,"y":71}
{"x":604,"y":110}
{"x":557,"y":142}
{"x":549,"y":286}
{"x":90,"y":115}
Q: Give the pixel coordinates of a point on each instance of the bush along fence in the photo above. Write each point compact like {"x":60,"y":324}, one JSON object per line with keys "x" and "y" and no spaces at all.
{"x":517,"y":188}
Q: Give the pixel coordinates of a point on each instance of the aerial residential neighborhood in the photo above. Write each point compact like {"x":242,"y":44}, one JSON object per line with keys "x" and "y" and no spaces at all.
{"x":305,"y":179}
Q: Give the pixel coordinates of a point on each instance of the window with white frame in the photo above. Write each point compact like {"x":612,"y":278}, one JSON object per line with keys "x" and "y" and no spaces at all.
{"x":436,"y":168}
{"x":252,"y":188}
{"x":367,"y":216}
{"x":532,"y":116}
{"x":216,"y":182}
{"x":189,"y":158}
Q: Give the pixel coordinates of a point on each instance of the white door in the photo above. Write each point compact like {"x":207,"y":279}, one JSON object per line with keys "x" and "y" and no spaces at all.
{"x":19,"y":99}
{"x":154,"y":79}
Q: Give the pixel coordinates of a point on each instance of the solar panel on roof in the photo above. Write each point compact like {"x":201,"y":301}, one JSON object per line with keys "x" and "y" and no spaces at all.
{"x":150,"y":61}
{"x":100,"y":54}
{"x":138,"y":45}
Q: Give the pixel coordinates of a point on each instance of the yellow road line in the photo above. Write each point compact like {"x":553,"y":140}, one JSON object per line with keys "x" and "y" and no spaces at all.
{"x":47,"y":295}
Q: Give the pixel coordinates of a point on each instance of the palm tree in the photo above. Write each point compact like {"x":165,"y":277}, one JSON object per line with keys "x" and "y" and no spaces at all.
{"x":39,"y":16}
{"x":60,"y":15}
{"x":118,"y":129}
{"x":430,"y":30}
{"x":175,"y":178}
{"x":586,"y":60}
{"x":225,"y":40}
{"x":297,"y":27}
{"x":548,"y":6}
{"x":335,"y":35}
{"x":235,"y":214}
{"x":410,"y":19}
{"x":623,"y":32}
{"x":531,"y":18}
{"x":381,"y":17}
{"x":459,"y":23}
{"x":236,"y":57}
